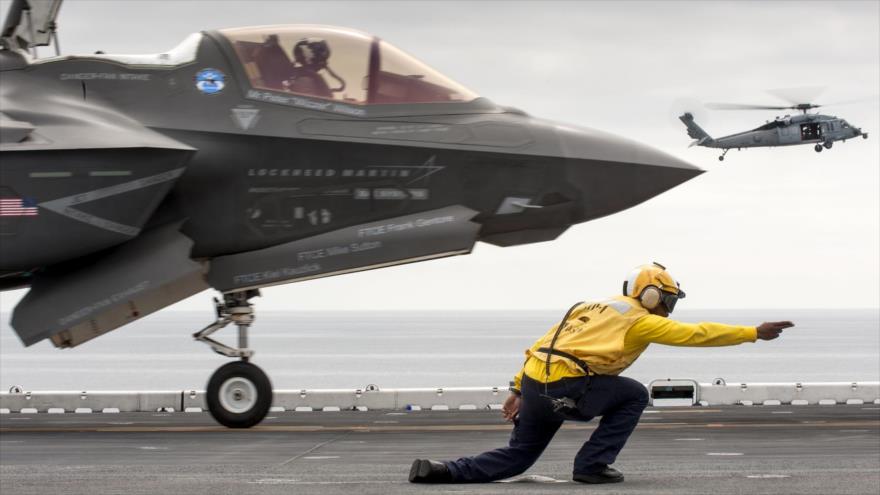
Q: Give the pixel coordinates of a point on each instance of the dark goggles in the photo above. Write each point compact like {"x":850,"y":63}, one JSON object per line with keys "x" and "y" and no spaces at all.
{"x":669,"y":299}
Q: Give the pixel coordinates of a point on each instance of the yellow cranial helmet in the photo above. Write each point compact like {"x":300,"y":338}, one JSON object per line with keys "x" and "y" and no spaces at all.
{"x":653,"y":285}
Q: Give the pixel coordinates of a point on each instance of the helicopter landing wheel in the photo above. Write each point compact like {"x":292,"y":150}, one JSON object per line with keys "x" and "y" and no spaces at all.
{"x":721,"y":158}
{"x":865,"y":136}
{"x":828,"y":145}
{"x":239,"y":395}
{"x":818,"y":148}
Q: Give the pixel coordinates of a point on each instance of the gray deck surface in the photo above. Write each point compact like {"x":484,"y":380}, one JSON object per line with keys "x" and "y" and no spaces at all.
{"x":717,"y":450}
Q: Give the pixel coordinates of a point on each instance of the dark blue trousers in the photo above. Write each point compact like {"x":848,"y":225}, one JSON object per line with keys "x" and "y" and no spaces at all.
{"x":619,"y":400}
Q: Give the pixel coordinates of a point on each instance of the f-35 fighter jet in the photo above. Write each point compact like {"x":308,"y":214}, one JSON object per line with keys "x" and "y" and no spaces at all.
{"x":251,"y":157}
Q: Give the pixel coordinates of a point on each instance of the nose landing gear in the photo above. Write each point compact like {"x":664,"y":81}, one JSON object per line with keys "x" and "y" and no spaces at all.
{"x":818,"y":148}
{"x":721,"y":158}
{"x":239,"y":394}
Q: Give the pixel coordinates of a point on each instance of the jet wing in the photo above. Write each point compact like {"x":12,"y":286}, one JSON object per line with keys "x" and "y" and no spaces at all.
{"x":138,"y":278}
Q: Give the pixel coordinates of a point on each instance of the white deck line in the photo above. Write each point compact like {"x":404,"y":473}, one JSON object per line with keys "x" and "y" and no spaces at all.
{"x":458,"y":398}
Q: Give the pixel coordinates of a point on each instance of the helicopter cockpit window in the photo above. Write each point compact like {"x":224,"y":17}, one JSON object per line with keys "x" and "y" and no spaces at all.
{"x":316,"y":61}
{"x":338,"y":64}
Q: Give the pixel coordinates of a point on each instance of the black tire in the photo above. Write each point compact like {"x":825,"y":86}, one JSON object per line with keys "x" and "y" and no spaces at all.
{"x":239,"y":395}
{"x":828,"y":145}
{"x":818,"y":148}
{"x":721,"y":158}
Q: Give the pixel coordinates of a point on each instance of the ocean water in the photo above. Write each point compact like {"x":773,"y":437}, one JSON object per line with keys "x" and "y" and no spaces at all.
{"x":309,"y":350}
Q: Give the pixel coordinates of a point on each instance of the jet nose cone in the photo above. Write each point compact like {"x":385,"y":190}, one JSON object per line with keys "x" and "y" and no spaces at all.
{"x":590,"y":144}
{"x":615,"y":173}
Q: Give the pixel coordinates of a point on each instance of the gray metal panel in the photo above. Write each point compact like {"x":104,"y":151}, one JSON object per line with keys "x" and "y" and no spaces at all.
{"x":386,"y":130}
{"x":91,"y":200}
{"x":136,"y":279}
{"x":30,"y":23}
{"x":13,"y":131}
{"x":426,"y":235}
{"x":72,"y":149}
{"x":68,"y":117}
{"x":480,"y":133}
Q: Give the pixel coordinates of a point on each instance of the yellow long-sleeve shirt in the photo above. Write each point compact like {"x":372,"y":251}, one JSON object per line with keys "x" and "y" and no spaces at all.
{"x":650,"y":329}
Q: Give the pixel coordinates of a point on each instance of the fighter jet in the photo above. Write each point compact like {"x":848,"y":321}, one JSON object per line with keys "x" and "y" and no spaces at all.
{"x":250,"y":157}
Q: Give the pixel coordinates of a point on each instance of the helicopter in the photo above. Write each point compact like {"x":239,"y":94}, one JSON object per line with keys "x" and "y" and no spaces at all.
{"x":788,"y":130}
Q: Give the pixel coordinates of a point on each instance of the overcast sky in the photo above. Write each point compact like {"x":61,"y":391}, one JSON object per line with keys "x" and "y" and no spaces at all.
{"x":768,"y":228}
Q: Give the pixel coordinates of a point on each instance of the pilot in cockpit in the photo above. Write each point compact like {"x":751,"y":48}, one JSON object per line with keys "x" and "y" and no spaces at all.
{"x":303,"y":74}
{"x":310,"y":56}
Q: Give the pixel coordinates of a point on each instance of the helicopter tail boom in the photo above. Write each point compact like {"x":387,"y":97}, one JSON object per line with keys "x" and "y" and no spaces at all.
{"x":701,"y":137}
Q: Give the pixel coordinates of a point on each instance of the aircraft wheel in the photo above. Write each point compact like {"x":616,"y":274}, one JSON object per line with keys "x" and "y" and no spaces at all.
{"x":721,"y":158}
{"x":818,"y":148}
{"x":239,"y":395}
{"x":864,"y":136}
{"x":828,"y":145}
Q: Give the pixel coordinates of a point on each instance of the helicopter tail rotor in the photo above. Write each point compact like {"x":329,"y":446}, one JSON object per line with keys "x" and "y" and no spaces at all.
{"x":690,"y":105}
{"x":700,"y":136}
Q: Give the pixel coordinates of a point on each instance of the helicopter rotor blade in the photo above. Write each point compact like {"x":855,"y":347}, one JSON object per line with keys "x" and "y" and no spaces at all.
{"x":850,"y":102}
{"x":740,"y":106}
{"x":799,"y":95}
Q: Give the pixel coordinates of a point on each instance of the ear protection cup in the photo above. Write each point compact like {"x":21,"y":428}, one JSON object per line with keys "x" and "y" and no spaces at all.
{"x":650,"y":297}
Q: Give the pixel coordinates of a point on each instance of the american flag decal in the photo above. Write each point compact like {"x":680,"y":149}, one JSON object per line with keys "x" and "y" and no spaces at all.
{"x":18,"y":207}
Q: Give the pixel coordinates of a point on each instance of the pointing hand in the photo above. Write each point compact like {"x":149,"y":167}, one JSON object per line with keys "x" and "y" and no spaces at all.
{"x":769,"y":330}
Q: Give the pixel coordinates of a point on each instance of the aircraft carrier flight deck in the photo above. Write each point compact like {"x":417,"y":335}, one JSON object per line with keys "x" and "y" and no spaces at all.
{"x":810,"y":449}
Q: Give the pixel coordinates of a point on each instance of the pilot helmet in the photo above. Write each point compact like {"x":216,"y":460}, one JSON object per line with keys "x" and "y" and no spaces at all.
{"x":652,"y":285}
{"x":311,"y":53}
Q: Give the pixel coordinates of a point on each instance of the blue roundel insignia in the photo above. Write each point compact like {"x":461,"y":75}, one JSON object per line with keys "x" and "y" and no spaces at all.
{"x":210,"y":81}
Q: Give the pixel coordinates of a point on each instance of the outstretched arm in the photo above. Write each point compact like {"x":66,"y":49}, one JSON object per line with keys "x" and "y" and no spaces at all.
{"x":658,"y":330}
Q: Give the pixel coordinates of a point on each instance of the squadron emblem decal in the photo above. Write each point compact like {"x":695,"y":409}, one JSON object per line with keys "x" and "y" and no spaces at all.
{"x":245,"y":117}
{"x":210,"y":81}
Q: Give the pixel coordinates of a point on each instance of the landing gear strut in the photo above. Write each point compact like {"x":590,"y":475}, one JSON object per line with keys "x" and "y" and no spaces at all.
{"x":721,"y":158}
{"x":239,"y":394}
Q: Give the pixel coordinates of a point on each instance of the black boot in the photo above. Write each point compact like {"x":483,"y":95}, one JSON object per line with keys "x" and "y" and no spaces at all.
{"x":607,"y":475}
{"x":428,"y":471}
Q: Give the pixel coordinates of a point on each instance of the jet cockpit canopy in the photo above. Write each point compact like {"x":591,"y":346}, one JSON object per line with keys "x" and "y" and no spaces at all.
{"x":339,"y":64}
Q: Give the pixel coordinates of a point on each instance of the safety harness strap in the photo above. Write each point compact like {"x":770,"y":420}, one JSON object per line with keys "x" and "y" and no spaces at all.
{"x":556,"y":352}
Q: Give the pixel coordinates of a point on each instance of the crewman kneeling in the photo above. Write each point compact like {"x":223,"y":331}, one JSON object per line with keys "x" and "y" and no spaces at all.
{"x":571,"y":373}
